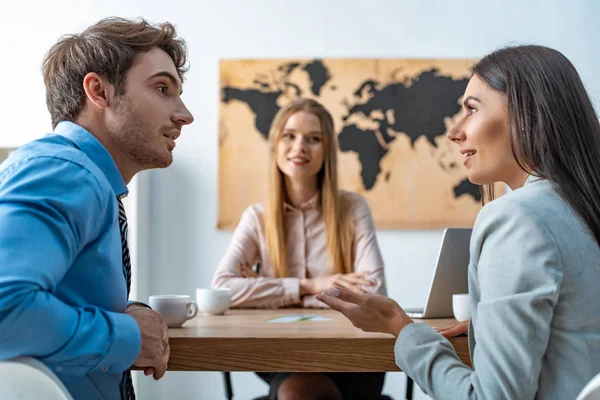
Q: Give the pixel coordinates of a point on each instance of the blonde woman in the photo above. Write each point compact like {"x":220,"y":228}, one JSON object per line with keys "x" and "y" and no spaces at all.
{"x":307,"y":237}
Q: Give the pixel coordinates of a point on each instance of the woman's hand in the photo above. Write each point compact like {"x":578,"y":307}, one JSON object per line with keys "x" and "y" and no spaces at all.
{"x":352,"y":281}
{"x":369,"y":312}
{"x":246,"y":270}
{"x":455,"y":330}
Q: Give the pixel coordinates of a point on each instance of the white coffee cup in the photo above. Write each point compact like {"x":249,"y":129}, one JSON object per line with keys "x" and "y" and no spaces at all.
{"x":174,"y":308}
{"x":213,"y":301}
{"x":460,"y":307}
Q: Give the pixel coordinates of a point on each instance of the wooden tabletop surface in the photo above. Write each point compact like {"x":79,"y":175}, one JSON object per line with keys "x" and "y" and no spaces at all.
{"x":243,"y":340}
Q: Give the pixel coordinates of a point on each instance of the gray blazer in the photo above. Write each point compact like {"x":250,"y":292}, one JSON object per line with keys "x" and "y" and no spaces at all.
{"x":534,"y":281}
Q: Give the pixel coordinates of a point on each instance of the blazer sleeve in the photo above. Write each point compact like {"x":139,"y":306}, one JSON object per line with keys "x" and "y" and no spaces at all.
{"x":515,"y":266}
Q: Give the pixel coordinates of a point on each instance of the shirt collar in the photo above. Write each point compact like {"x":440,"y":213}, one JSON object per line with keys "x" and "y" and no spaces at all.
{"x":311,"y":204}
{"x":531,"y":178}
{"x":87,"y":143}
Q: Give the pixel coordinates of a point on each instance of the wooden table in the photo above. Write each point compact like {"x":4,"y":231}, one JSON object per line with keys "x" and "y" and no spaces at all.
{"x":242,"y":340}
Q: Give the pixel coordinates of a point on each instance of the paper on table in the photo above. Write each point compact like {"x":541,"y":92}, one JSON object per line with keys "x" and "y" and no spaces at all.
{"x":298,"y":318}
{"x":319,"y":318}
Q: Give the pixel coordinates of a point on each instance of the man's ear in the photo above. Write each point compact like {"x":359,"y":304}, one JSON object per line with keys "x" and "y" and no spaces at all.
{"x":97,"y":90}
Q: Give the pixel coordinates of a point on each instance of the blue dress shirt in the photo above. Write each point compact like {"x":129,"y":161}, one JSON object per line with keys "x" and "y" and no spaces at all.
{"x":62,"y":289}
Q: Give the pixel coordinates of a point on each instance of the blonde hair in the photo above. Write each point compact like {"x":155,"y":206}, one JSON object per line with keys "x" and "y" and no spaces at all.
{"x":338,"y":219}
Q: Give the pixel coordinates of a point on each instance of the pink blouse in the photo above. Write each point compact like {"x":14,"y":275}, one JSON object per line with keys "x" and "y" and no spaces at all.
{"x":307,"y":255}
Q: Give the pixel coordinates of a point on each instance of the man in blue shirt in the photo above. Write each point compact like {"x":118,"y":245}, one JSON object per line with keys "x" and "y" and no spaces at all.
{"x":113,"y":93}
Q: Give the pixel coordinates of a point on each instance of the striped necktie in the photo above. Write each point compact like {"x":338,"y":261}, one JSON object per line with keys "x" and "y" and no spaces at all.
{"x":126,"y":383}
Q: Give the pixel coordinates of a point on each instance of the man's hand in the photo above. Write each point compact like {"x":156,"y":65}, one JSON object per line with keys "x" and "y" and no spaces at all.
{"x":155,"y":352}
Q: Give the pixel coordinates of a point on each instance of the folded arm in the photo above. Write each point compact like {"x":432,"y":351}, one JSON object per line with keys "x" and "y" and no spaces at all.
{"x":260,"y":292}
{"x":368,"y":262}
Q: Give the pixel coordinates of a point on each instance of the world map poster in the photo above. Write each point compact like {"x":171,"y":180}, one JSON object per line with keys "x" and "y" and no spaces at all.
{"x":390,"y":116}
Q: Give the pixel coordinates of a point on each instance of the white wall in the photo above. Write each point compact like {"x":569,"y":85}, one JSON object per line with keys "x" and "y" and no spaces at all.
{"x":179,"y":246}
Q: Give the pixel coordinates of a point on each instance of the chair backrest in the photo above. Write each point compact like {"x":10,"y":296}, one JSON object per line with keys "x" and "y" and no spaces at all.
{"x":591,"y":391}
{"x":26,"y":378}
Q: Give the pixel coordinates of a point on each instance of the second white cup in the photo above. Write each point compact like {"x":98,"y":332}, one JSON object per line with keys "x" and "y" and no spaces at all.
{"x":461,"y":307}
{"x":213,"y":301}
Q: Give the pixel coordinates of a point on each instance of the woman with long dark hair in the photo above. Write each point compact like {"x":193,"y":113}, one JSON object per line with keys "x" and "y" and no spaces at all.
{"x":534,"y":271}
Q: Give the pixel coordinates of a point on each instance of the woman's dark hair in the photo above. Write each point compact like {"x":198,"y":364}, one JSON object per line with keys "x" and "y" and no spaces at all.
{"x":554,"y":130}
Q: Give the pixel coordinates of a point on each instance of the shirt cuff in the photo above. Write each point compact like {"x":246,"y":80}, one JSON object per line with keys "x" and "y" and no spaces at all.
{"x":139,"y":303}
{"x":125,"y":346}
{"x":291,"y":291}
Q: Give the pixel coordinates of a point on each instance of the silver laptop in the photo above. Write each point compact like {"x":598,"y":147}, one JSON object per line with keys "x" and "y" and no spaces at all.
{"x":449,"y":277}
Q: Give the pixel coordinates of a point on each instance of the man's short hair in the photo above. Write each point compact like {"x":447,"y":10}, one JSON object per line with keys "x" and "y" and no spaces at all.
{"x":108,"y":48}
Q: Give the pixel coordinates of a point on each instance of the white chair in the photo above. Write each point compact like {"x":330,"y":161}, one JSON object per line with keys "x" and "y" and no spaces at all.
{"x":591,"y":391}
{"x":26,"y":378}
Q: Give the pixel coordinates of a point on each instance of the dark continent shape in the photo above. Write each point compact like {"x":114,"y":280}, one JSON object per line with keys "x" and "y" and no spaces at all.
{"x":263,"y":105}
{"x":370,"y":152}
{"x":419,"y":109}
{"x":288,"y":68}
{"x":466,"y":187}
{"x":319,"y":75}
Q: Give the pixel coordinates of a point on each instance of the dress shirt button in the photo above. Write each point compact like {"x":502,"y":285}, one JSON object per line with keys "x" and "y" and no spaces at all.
{"x":58,"y":369}
{"x":104,"y":369}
